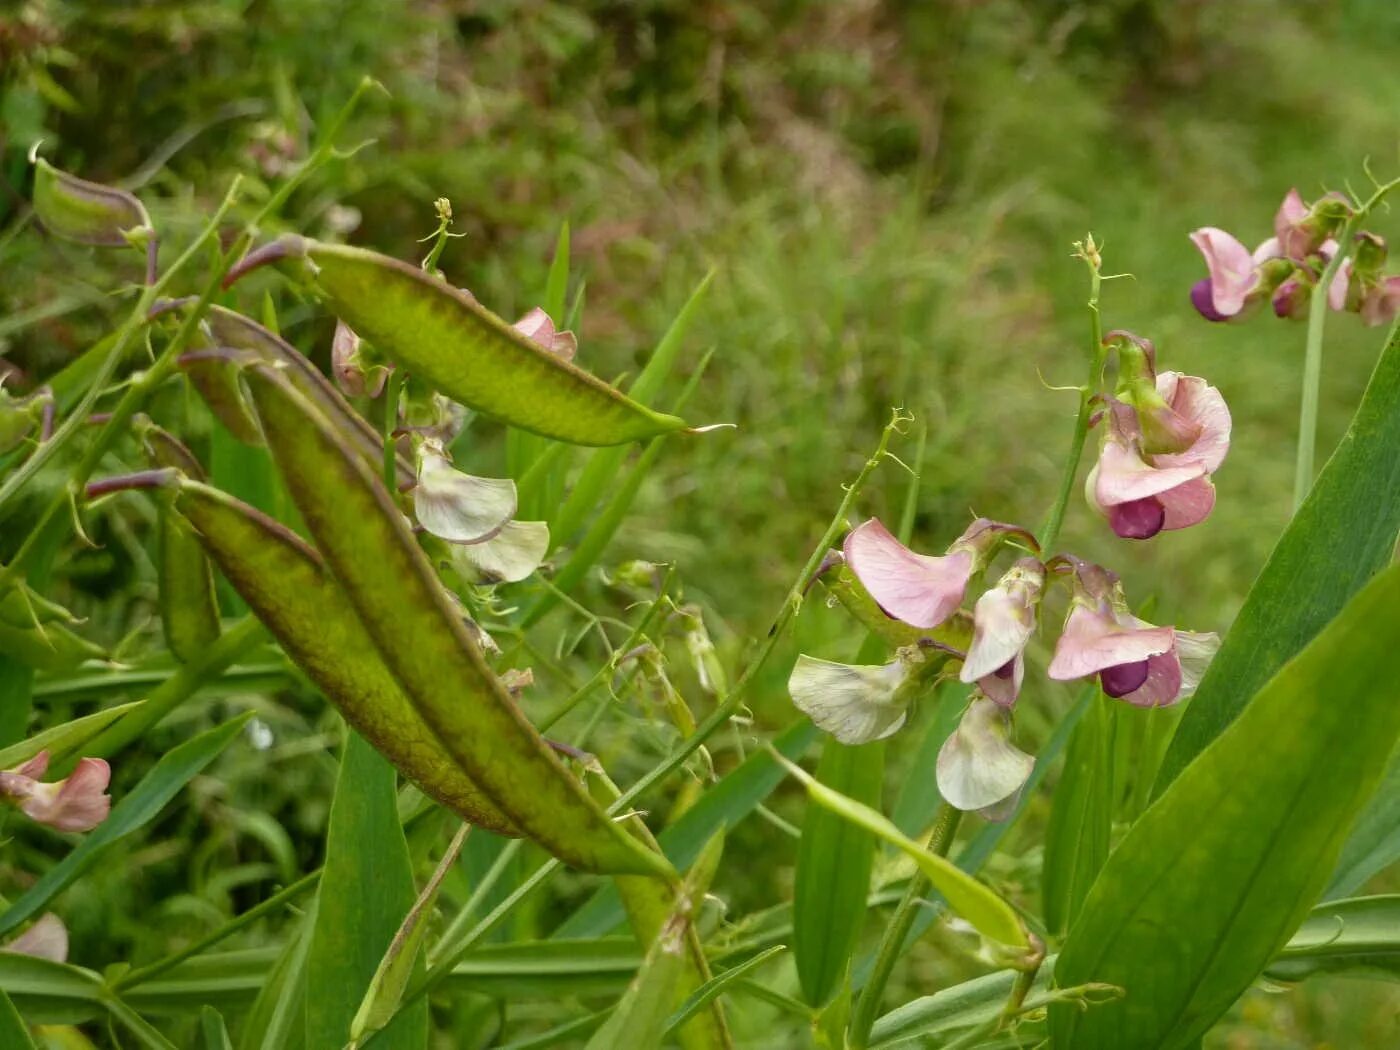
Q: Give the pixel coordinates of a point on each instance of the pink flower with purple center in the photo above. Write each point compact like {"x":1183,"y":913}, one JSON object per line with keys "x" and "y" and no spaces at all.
{"x":78,"y":803}
{"x":1142,"y":493}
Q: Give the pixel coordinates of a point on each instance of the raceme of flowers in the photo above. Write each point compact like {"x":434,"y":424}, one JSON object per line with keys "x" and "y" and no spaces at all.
{"x":1163,"y":436}
{"x":1286,"y":267}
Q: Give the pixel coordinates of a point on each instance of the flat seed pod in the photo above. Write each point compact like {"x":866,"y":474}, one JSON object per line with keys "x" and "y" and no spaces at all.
{"x":87,"y":212}
{"x":407,"y":612}
{"x":468,"y":353}
{"x":189,"y":608}
{"x":285,"y":584}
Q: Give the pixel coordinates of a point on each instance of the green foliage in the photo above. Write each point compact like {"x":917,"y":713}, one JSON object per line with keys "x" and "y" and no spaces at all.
{"x":1281,"y":787}
{"x":366,"y":890}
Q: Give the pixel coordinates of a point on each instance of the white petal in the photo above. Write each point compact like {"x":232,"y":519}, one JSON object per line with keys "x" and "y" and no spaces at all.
{"x":1195,"y":651}
{"x":978,"y":765}
{"x":458,"y":507}
{"x":508,"y":557}
{"x":854,"y":704}
{"x":46,"y":939}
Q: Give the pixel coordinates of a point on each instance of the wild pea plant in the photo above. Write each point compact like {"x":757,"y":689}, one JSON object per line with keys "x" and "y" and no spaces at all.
{"x":1182,"y":859}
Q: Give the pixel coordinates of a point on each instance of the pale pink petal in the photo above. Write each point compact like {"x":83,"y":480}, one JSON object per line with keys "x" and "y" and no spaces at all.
{"x":538,"y":326}
{"x":1269,"y":249}
{"x":1198,"y":401}
{"x":1382,"y":302}
{"x":35,"y":768}
{"x":1337,"y":290}
{"x":1232,"y":274}
{"x":1123,"y":476}
{"x":920,"y":589}
{"x":1093,"y":640}
{"x":1291,"y":212}
{"x":1188,"y":504}
{"x":76,"y":804}
{"x":46,"y":939}
{"x":1004,"y":620}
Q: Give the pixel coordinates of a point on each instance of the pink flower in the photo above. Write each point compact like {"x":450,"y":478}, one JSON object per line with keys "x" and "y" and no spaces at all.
{"x":78,"y":803}
{"x":1137,"y":662}
{"x":921,"y":589}
{"x":1003,"y":622}
{"x":1141,"y":493}
{"x":1381,"y":301}
{"x":356,"y":376}
{"x":1302,"y":229}
{"x":1234,"y":273}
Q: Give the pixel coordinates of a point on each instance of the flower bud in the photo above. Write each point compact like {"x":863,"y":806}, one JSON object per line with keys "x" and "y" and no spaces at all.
{"x":87,"y":212}
{"x":355,"y":373}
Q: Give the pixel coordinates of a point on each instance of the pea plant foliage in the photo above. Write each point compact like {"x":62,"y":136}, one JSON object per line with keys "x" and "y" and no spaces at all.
{"x":280,"y":427}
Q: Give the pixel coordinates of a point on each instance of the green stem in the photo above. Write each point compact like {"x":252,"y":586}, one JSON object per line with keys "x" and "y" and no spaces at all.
{"x":1304,"y":465}
{"x":892,"y":945}
{"x":1050,"y":531}
{"x":391,"y":422}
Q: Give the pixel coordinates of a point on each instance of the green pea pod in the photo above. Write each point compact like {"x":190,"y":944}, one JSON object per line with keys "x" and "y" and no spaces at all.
{"x":285,"y":584}
{"x":369,"y":547}
{"x":227,"y":329}
{"x":87,"y":212}
{"x":189,"y":608}
{"x":465,"y":351}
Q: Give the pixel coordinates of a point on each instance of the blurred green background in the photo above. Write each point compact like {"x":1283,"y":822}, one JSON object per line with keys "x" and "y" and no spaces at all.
{"x":887,"y":193}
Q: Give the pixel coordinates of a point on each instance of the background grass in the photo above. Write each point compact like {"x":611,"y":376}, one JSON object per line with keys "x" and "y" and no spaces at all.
{"x":887,"y":193}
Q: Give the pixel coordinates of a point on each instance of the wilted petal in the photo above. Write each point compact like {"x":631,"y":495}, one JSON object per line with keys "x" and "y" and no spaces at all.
{"x":507,"y":557}
{"x":855,"y":704}
{"x":1232,"y":273}
{"x":46,"y":939}
{"x":76,"y":804}
{"x":1381,"y":302}
{"x":1093,"y":641}
{"x":1004,"y":620}
{"x":348,"y":367}
{"x":978,"y":765}
{"x":539,"y":327}
{"x":458,"y":507}
{"x":919,"y":589}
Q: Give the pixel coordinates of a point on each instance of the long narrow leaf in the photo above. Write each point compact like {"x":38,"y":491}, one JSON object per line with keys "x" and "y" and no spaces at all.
{"x":988,"y":913}
{"x":64,"y":739}
{"x":13,"y":1032}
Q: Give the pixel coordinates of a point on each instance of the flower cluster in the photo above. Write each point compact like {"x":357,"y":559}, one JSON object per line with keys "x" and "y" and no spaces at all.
{"x":78,"y":803}
{"x":919,"y":599}
{"x":1286,"y":267}
{"x":474,"y":516}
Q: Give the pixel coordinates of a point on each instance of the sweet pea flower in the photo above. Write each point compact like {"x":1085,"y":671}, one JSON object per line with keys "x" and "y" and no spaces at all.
{"x":978,"y":766}
{"x":920,"y":589}
{"x":1142,"y":664}
{"x":1003,"y":623}
{"x":78,"y":803}
{"x":1302,"y":229}
{"x":1234,"y":273}
{"x":1141,"y":492}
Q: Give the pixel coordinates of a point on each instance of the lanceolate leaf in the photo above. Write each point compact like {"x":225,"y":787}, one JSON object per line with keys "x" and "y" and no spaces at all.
{"x":988,"y":913}
{"x":1076,"y":842}
{"x":176,"y":769}
{"x":366,"y":890}
{"x":1342,"y":536}
{"x":833,"y":870}
{"x":13,"y":1033}
{"x":1375,"y":841}
{"x":1361,"y":935}
{"x":1214,"y":877}
{"x":64,"y":739}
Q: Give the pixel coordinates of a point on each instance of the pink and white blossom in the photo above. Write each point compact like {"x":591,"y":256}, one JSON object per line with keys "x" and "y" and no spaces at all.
{"x":77,"y":803}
